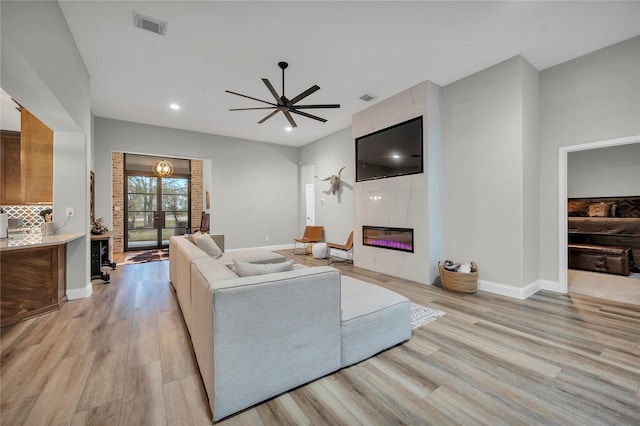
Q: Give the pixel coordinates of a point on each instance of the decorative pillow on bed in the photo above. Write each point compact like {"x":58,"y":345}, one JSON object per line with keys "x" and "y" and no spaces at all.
{"x":206,"y":244}
{"x":578,"y":208}
{"x":599,"y":209}
{"x":246,"y":269}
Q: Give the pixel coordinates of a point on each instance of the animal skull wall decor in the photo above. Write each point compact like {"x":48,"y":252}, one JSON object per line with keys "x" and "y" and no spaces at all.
{"x":334,"y":181}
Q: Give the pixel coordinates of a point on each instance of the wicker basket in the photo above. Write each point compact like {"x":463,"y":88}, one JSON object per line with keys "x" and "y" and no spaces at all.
{"x":459,"y":282}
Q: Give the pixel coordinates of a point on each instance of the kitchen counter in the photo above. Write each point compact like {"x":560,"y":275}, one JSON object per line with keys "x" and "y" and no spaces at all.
{"x":21,"y":241}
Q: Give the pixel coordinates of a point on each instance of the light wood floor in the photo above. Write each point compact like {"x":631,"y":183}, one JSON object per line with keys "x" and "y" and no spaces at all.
{"x":605,"y":286}
{"x":123,"y":357}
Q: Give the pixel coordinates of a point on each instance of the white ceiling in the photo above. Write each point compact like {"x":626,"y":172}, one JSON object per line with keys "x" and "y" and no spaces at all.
{"x":347,"y":48}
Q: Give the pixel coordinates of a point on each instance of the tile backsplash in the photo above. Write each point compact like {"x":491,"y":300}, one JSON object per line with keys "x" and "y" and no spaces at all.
{"x":30,"y":215}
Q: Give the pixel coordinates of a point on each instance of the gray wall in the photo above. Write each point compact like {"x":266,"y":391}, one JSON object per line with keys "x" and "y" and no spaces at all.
{"x":530,"y":172}
{"x":604,"y":172}
{"x":435,"y":173}
{"x":592,"y":98}
{"x":489,"y":125}
{"x":327,"y":156}
{"x":253,"y":185}
{"x":43,"y":70}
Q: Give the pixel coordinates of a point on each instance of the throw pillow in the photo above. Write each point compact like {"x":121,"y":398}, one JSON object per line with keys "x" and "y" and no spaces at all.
{"x":578,"y":208}
{"x":598,"y":209}
{"x":206,"y":244}
{"x":246,"y":269}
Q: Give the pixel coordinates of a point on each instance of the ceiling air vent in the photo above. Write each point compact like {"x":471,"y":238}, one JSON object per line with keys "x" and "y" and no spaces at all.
{"x":367,"y":97}
{"x":150,"y":24}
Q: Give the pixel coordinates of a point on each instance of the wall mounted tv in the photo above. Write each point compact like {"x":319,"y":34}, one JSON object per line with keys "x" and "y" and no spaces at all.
{"x":394,"y":151}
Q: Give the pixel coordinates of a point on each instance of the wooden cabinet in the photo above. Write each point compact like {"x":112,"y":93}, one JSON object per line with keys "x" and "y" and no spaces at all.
{"x":27,"y":163}
{"x":36,"y":141}
{"x":32,"y":282}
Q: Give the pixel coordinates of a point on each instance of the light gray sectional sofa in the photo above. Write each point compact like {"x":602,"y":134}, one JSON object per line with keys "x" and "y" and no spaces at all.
{"x":258,"y":336}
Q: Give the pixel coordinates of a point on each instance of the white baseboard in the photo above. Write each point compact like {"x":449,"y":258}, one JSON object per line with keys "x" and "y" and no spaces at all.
{"x":518,"y":292}
{"x":551,"y":286}
{"x":80,"y":293}
{"x":508,"y":290}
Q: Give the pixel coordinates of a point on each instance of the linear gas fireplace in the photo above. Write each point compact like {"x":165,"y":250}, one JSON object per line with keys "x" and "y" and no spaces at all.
{"x":389,"y":238}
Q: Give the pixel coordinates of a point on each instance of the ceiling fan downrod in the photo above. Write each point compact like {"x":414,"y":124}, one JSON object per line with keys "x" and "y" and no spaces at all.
{"x":283,"y":66}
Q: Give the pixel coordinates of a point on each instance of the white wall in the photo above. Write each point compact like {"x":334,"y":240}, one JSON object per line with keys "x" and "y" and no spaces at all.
{"x":405,"y":199}
{"x":592,"y":98}
{"x":254,"y":185}
{"x":327,"y":156}
{"x":43,"y":70}
{"x":604,"y":172}
{"x":489,"y":125}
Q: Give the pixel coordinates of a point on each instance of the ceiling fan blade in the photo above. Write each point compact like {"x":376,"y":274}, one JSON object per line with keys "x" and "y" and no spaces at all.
{"x":316,"y":106}
{"x":268,"y":117}
{"x":272,"y":90}
{"x":304,"y":114}
{"x":249,"y":109}
{"x":249,"y":97}
{"x":290,"y":118}
{"x":304,"y":94}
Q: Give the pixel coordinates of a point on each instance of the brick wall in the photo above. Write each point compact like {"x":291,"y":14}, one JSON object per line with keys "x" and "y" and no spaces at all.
{"x":117,"y":202}
{"x":196,"y":193}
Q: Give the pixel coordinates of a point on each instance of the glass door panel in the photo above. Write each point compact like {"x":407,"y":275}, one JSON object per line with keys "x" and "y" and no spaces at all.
{"x":141,"y":212}
{"x":175,"y":207}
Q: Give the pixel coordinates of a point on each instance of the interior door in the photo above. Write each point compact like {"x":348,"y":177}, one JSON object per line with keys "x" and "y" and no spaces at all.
{"x":157,"y":208}
{"x":310,"y":198}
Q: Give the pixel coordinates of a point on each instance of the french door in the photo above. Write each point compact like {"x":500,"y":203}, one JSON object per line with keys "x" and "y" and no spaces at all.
{"x":157,"y":208}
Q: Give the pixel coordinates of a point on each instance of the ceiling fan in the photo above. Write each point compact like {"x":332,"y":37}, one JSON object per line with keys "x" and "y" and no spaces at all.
{"x":287,"y":106}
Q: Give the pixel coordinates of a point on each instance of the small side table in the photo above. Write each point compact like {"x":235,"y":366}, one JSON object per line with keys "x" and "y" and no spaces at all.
{"x":100,"y":252}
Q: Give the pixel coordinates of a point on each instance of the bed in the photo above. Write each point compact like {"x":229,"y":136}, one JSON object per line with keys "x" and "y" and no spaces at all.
{"x":611,"y":221}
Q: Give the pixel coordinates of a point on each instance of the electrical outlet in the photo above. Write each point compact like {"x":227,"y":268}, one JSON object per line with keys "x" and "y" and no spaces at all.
{"x":70,"y":211}
{"x":266,"y":238}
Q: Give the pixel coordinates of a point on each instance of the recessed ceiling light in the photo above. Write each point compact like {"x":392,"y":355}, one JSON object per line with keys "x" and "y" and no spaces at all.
{"x":288,"y":129}
{"x":174,"y":107}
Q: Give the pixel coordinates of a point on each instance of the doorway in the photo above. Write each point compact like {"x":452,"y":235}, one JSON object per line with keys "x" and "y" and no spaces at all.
{"x":563,"y":281}
{"x":156,"y":207}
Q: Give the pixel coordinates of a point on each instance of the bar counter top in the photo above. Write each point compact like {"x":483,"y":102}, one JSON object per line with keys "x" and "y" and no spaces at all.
{"x":22,"y":241}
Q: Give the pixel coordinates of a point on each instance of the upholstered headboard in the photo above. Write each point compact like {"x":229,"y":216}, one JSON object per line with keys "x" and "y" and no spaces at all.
{"x":628,"y":207}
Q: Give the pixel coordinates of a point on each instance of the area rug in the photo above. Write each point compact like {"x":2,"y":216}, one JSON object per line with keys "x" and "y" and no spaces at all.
{"x":421,"y":315}
{"x":146,"y":256}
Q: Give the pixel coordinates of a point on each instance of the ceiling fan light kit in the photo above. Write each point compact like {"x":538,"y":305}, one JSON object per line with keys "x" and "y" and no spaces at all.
{"x":283,"y":104}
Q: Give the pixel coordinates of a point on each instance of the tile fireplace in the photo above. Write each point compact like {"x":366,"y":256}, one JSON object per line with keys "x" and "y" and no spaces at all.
{"x":389,"y":238}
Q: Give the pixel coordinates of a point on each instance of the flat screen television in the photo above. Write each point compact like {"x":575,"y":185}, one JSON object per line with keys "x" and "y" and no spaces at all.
{"x":394,"y":151}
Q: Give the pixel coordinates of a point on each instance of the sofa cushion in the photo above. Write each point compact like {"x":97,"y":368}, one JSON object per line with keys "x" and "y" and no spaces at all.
{"x":206,"y":244}
{"x":373,"y":319}
{"x":246,"y":269}
{"x":252,"y":256}
{"x":213,"y":270}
